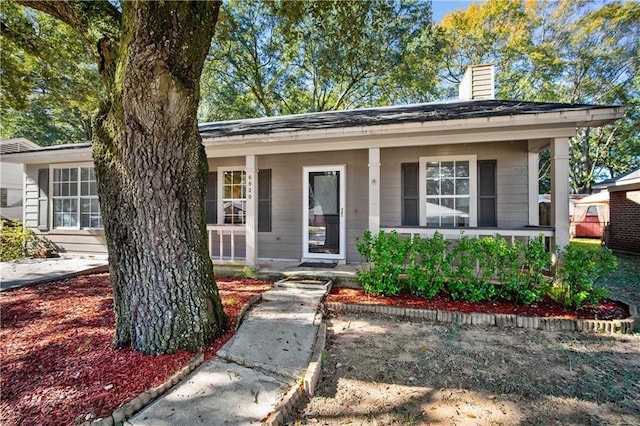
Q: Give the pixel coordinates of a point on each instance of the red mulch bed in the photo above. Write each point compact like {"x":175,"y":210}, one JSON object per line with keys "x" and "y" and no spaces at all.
{"x":607,"y":310}
{"x":58,"y":360}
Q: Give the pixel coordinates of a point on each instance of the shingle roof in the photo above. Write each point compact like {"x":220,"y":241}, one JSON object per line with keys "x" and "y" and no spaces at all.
{"x":437,"y":111}
{"x":621,"y":179}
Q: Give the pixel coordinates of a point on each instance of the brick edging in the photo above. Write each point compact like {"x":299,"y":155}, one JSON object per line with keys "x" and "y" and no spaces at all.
{"x":145,"y":398}
{"x":130,"y":408}
{"x":309,"y":381}
{"x":624,"y":326}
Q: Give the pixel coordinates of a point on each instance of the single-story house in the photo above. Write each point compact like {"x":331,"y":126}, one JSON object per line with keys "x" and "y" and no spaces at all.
{"x":305,"y":187}
{"x":11,"y":178}
{"x":624,"y":211}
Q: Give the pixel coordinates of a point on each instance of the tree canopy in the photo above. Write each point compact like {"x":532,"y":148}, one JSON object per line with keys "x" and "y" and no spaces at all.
{"x":49,"y":85}
{"x":273,"y":57}
{"x":567,"y":51}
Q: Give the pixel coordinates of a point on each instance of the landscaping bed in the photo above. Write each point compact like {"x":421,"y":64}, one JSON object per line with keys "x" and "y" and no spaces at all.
{"x":59,"y":365}
{"x":607,"y":310}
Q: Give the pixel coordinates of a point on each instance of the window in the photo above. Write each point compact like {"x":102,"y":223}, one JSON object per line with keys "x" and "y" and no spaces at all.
{"x":448,"y":191}
{"x":233,"y":192}
{"x":75,"y":198}
{"x":264,"y":198}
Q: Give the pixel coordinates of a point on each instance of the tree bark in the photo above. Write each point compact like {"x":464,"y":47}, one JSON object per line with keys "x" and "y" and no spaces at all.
{"x":151,"y":171}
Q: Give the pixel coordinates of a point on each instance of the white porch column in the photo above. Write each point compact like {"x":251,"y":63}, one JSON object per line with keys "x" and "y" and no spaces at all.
{"x":534,"y":213}
{"x":251,"y":212}
{"x":374,"y":190}
{"x":560,"y":190}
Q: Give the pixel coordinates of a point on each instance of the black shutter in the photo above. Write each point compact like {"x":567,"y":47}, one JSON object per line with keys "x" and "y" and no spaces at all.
{"x":43,"y":199}
{"x":264,"y":200}
{"x":210,"y":203}
{"x":410,"y":173}
{"x":487,"y":191}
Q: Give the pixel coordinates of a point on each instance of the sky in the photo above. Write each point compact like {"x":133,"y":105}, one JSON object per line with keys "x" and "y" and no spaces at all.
{"x":442,"y":7}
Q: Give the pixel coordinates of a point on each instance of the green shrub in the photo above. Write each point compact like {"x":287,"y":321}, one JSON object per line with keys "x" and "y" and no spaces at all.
{"x":466,"y":279}
{"x":13,"y":240}
{"x":427,"y":265}
{"x":522,"y":273}
{"x":469,"y":269}
{"x":386,"y":255}
{"x":579,"y":271}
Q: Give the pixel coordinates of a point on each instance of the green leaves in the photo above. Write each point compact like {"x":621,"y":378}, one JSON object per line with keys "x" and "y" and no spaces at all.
{"x":579,"y":271}
{"x":469,"y":269}
{"x":273,"y":57}
{"x":50,"y":84}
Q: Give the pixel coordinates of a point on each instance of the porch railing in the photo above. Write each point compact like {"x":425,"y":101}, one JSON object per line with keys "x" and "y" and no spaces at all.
{"x":522,"y":234}
{"x":225,"y":233}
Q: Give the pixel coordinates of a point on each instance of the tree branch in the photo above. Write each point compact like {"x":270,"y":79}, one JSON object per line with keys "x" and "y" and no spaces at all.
{"x":101,"y":17}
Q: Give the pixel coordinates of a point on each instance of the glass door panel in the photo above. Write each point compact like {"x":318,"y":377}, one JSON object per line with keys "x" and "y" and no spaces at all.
{"x":324,"y":213}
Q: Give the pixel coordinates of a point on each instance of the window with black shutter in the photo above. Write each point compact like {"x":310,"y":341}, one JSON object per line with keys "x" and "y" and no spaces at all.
{"x":487,"y":193}
{"x":211,"y":204}
{"x":43,"y":199}
{"x":410,"y":196}
{"x":264,"y":200}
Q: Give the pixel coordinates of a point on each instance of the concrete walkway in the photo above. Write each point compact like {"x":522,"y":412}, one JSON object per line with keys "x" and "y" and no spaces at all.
{"x":268,"y":356}
{"x":24,"y":272}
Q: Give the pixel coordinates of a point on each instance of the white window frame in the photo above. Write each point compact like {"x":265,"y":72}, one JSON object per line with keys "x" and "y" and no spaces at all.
{"x":78,"y":197}
{"x":473,"y":185}
{"x":221,"y":197}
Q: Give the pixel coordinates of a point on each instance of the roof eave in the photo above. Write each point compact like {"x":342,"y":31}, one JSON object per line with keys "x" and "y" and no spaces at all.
{"x":595,"y":117}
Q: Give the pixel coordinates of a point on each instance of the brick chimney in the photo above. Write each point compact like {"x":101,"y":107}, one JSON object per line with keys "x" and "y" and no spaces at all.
{"x":477,"y":83}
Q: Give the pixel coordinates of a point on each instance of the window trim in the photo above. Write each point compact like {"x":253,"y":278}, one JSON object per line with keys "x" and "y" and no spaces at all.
{"x":52,"y":197}
{"x":220,"y":197}
{"x":473,"y":186}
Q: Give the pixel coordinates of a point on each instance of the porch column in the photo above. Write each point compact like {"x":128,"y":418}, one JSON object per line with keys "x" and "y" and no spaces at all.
{"x":251,"y":210}
{"x":534,"y":212}
{"x":374,"y":190}
{"x":560,"y":190}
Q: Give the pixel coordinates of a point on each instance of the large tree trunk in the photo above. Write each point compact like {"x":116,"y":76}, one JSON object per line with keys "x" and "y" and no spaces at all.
{"x":151,"y":171}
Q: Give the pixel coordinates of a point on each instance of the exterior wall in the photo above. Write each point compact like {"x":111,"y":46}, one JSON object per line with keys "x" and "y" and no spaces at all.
{"x":624,"y":211}
{"x":11,"y":184}
{"x":31,"y":195}
{"x":68,"y":240}
{"x":512,"y":185}
{"x":285,"y":239}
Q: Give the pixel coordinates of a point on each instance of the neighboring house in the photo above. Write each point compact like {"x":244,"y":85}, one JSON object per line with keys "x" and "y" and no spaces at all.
{"x":590,"y":216}
{"x":11,"y":178}
{"x":624,"y":211}
{"x":305,"y":187}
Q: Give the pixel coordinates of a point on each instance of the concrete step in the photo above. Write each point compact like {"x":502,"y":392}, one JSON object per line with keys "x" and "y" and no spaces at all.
{"x":305,"y":283}
{"x":299,"y":295}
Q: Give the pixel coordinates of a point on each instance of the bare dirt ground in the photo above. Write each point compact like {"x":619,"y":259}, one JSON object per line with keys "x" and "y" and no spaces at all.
{"x":385,"y":371}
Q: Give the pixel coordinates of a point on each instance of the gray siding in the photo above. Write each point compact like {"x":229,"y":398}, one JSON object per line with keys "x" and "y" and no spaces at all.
{"x":31,"y":195}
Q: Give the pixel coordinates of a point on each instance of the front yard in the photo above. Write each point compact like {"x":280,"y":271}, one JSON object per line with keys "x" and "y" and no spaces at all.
{"x":58,"y":362}
{"x":380,"y":370}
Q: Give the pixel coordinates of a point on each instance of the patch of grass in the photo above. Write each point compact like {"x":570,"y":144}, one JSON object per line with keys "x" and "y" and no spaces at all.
{"x":590,"y":242}
{"x":625,"y":280}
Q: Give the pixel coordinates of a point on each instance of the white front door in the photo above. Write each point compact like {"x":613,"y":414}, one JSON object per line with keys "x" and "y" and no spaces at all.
{"x":324,"y":221}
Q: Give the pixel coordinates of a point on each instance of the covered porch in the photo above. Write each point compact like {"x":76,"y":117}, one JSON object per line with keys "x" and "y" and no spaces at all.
{"x":238,"y":244}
